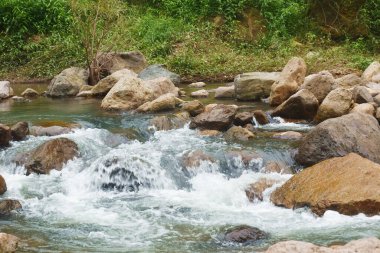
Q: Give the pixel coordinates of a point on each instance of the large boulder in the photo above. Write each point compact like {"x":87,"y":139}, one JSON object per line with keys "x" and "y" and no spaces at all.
{"x":220,"y":118}
{"x":194,"y":107}
{"x":337,"y":103}
{"x":9,"y":205}
{"x":5,"y":90}
{"x":319,"y":84}
{"x":161,"y":86}
{"x":8,"y":243}
{"x":348,"y":81}
{"x":159,"y":70}
{"x":372,"y":73}
{"x":19,"y":131}
{"x":51,"y":155}
{"x":245,"y":234}
{"x":68,"y":83}
{"x":165,"y":102}
{"x":367,"y":245}
{"x":225,"y":92}
{"x":349,"y":185}
{"x":5,"y":135}
{"x":302,"y":105}
{"x":238,"y":133}
{"x":362,"y":95}
{"x":106,"y":84}
{"x":255,"y":85}
{"x":3,"y":185}
{"x":355,"y":132}
{"x":112,"y":62}
{"x":292,"y":76}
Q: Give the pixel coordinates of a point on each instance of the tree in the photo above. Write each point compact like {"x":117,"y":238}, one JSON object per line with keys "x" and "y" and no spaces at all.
{"x":93,"y":21}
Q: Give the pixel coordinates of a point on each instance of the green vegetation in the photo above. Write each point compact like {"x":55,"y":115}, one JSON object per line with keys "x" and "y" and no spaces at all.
{"x":201,"y":39}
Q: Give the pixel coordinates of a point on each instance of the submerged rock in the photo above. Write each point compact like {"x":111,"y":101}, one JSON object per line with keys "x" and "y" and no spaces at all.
{"x":19,"y":131}
{"x":220,"y":118}
{"x":51,"y":155}
{"x":289,"y":135}
{"x":122,"y":179}
{"x":200,"y":94}
{"x":245,"y":234}
{"x":348,"y":185}
{"x":49,"y":131}
{"x":197,"y":85}
{"x":5,"y":136}
{"x":164,"y":123}
{"x":194,"y":159}
{"x":194,"y":107}
{"x":68,"y":83}
{"x":238,"y":133}
{"x":8,"y":243}
{"x":3,"y":185}
{"x":157,"y":71}
{"x":29,"y":93}
{"x":355,"y":132}
{"x":277,"y":167}
{"x":255,"y":190}
{"x":9,"y":205}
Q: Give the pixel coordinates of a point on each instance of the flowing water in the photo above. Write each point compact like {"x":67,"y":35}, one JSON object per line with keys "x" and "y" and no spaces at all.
{"x":171,"y":209}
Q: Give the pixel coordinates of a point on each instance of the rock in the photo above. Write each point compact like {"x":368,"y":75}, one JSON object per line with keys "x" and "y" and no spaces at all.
{"x":165,"y":123}
{"x":5,"y":90}
{"x":255,"y":190}
{"x":261,"y":117}
{"x":209,"y":107}
{"x":238,"y":133}
{"x":377,"y":115}
{"x":248,"y":158}
{"x":245,"y":234}
{"x":277,"y":167}
{"x":195,"y":158}
{"x":49,"y":131}
{"x":163,"y":103}
{"x":19,"y":99}
{"x":197,"y":85}
{"x":106,"y":84}
{"x":19,"y":131}
{"x":85,"y":94}
{"x":9,"y":205}
{"x":348,"y":81}
{"x":159,"y":70}
{"x":372,"y":71}
{"x":225,"y":92}
{"x":337,"y":103}
{"x":8,"y":243}
{"x":340,"y":136}
{"x":243,"y":118}
{"x":348,"y":185}
{"x":255,"y":85}
{"x":86,"y":88}
{"x":200,"y":94}
{"x":112,"y":62}
{"x":290,"y":135}
{"x":30,"y":93}
{"x":362,"y":95}
{"x":367,"y":245}
{"x":51,"y":155}
{"x":5,"y":135}
{"x":161,"y":86}
{"x":68,"y":83}
{"x":194,"y":107}
{"x":364,"y":108}
{"x":292,"y":76}
{"x":377,"y":100}
{"x":220,"y":118}
{"x":302,"y":105}
{"x":3,"y":185}
{"x":319,"y":84}
{"x":210,"y":133}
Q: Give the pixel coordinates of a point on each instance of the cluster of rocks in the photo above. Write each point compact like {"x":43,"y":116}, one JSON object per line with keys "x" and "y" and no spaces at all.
{"x":7,"y":92}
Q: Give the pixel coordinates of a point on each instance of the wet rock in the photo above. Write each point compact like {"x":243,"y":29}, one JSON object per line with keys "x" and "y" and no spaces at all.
{"x":371,"y":73}
{"x":112,"y":62}
{"x":238,"y":133}
{"x":367,"y":245}
{"x":292,"y":76}
{"x":49,"y":131}
{"x":29,"y":93}
{"x":348,"y":81}
{"x":51,"y":155}
{"x":5,"y":90}
{"x":163,"y":103}
{"x":68,"y":83}
{"x":243,"y":118}
{"x":261,"y":117}
{"x":200,"y":94}
{"x":220,"y":118}
{"x":85,"y":94}
{"x":348,"y":185}
{"x":9,"y":205}
{"x":194,"y":107}
{"x":5,"y":135}
{"x":225,"y":92}
{"x":165,"y":123}
{"x":121,"y":179}
{"x":249,"y":159}
{"x":105,"y":85}
{"x":197,"y":85}
{"x":3,"y":185}
{"x":302,"y":105}
{"x":364,"y":108}
{"x":362,"y":95}
{"x":194,"y":159}
{"x":245,"y":234}
{"x":289,"y":135}
{"x":210,"y":133}
{"x":19,"y":131}
{"x":255,"y":190}
{"x":340,"y":136}
{"x":8,"y":243}
{"x":319,"y":84}
{"x":159,"y":70}
{"x":255,"y":85}
{"x":337,"y":103}
{"x":277,"y":167}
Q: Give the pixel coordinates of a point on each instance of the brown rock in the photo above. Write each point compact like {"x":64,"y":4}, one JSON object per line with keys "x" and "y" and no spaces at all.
{"x":200,"y":94}
{"x":277,"y":167}
{"x":348,"y":81}
{"x":243,"y":118}
{"x":371,"y":72}
{"x":238,"y":133}
{"x":289,"y":135}
{"x":19,"y":131}
{"x":261,"y":117}
{"x":349,"y":185}
{"x":194,"y":107}
{"x":210,"y":132}
{"x":5,"y":135}
{"x":244,"y":234}
{"x":319,"y":84}
{"x":161,"y":86}
{"x":378,"y":114}
{"x":364,"y":108}
{"x":105,"y":85}
{"x":220,"y":118}
{"x":3,"y":185}
{"x":165,"y":123}
{"x":337,"y":103}
{"x":112,"y":62}
{"x":29,"y":93}
{"x":194,"y":159}
{"x":225,"y":92}
{"x":255,"y":190}
{"x":246,"y":156}
{"x":8,"y":243}
{"x":163,"y":103}
{"x":9,"y":205}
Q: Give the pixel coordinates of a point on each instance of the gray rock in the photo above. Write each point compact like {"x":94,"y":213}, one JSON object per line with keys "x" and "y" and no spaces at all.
{"x":68,"y":83}
{"x":225,"y":92}
{"x":362,"y":95}
{"x":159,"y":70}
{"x":244,"y":234}
{"x":5,"y":90}
{"x":319,"y":84}
{"x":112,"y":62}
